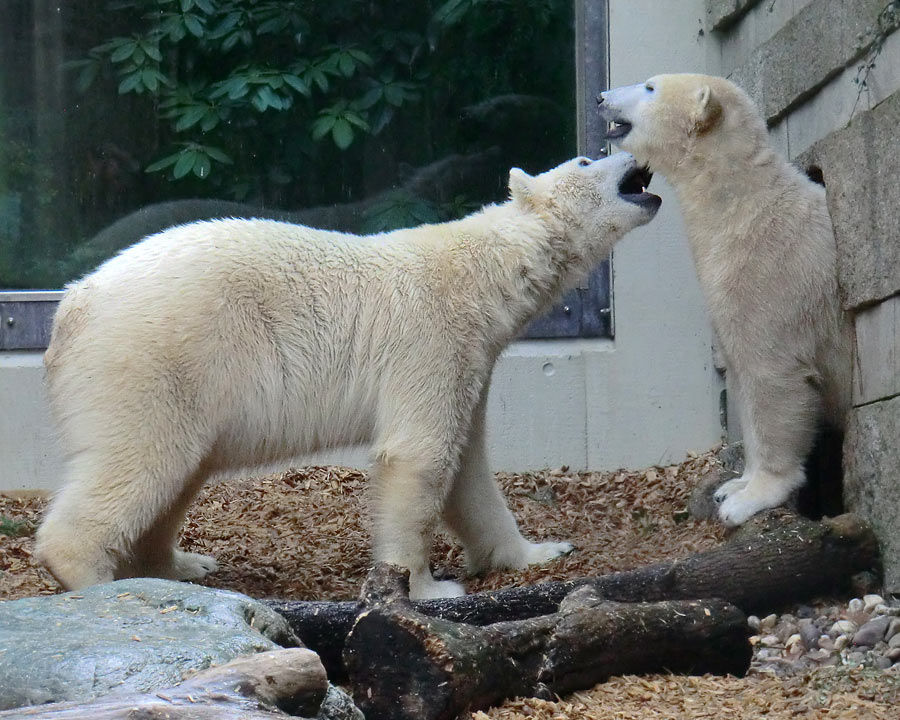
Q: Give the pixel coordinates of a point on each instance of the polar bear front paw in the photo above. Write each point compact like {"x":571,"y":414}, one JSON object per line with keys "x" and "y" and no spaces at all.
{"x":427,"y":588}
{"x":741,"y":498}
{"x":190,"y":566}
{"x":515,"y":554}
{"x":544,"y":552}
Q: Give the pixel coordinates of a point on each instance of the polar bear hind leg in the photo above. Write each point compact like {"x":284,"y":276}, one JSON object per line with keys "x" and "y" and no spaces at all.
{"x":120,"y":501}
{"x":780,"y":412}
{"x":156,"y":553}
{"x":478,"y":515}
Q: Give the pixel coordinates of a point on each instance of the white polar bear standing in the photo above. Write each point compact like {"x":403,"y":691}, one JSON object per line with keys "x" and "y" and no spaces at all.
{"x":225,"y":344}
{"x":765,"y":254}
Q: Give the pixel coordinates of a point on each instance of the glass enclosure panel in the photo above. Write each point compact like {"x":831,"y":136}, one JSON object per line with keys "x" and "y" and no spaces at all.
{"x":122,"y":117}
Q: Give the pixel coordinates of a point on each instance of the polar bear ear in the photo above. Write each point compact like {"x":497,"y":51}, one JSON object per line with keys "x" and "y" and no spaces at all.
{"x":521,"y":186}
{"x":709,"y":109}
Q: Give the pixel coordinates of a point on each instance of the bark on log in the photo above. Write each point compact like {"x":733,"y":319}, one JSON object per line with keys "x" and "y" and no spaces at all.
{"x":404,"y":665}
{"x":280,"y":683}
{"x":774,"y":559}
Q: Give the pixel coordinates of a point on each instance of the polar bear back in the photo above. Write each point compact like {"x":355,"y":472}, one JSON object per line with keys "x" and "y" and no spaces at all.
{"x":237,"y":324}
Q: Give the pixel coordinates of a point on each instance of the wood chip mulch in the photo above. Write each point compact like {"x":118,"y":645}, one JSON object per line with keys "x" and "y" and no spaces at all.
{"x":302,"y":535}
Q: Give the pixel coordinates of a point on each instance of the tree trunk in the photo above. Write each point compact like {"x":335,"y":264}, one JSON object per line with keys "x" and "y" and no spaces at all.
{"x":774,"y":559}
{"x":268,"y":685}
{"x":404,"y":665}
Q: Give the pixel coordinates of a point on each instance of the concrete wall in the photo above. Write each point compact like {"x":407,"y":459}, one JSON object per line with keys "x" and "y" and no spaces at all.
{"x":827,"y":75}
{"x":649,"y":396}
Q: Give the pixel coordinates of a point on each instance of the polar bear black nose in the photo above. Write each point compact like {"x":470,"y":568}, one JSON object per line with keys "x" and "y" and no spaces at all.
{"x":600,"y":99}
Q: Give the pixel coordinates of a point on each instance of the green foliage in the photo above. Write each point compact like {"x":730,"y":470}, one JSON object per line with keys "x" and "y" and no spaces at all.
{"x":12,"y":527}
{"x":231,"y":80}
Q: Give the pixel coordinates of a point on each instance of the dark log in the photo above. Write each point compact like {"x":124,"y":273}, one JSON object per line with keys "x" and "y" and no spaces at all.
{"x":775,"y":559}
{"x":280,"y":683}
{"x":404,"y":665}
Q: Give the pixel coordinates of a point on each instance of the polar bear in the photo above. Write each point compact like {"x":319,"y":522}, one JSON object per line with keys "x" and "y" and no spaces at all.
{"x":230,"y":343}
{"x":764,"y":250}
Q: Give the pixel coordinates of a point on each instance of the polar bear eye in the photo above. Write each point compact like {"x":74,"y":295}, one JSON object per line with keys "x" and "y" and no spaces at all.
{"x":649,"y":87}
{"x":584,"y":162}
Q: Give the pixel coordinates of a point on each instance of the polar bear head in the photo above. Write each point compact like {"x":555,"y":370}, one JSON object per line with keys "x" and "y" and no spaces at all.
{"x":592,"y":203}
{"x":671,"y":122}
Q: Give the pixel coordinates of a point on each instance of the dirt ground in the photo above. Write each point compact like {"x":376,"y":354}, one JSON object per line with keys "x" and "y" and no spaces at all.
{"x":301,"y":535}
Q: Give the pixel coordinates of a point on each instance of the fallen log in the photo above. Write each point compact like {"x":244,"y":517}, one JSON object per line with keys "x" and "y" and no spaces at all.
{"x":774,"y":559}
{"x":280,"y":683}
{"x":404,"y":665}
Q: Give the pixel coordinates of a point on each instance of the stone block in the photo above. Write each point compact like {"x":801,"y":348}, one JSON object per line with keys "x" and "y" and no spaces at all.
{"x":872,"y":478}
{"x":722,"y":14}
{"x":828,"y":35}
{"x":876,"y":372}
{"x":861,"y":164}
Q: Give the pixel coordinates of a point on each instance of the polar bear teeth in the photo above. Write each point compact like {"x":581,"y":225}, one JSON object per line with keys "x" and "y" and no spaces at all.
{"x":635,"y":181}
{"x":618,"y":129}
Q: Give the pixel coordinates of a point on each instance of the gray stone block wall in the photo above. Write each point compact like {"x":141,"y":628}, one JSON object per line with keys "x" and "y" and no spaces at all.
{"x":722,"y":14}
{"x":872,"y":477}
{"x":877,"y":368}
{"x":861,"y":164}
{"x":816,"y":44}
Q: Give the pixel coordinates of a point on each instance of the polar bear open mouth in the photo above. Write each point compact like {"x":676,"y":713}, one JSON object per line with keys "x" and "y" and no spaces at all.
{"x":633,"y":187}
{"x":617,"y":129}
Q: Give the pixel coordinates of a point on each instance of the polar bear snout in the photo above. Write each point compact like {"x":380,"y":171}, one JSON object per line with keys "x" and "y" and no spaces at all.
{"x":611,"y":111}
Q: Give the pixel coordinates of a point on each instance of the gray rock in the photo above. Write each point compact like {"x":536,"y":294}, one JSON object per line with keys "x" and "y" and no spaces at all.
{"x":843,"y":627}
{"x":809,"y":633}
{"x":873,"y":631}
{"x":338,"y":705}
{"x":882,"y":663}
{"x":872,"y":601}
{"x":701,"y":504}
{"x":856,"y":658}
{"x":131,"y":635}
{"x":784,"y":629}
{"x":893,"y":628}
{"x":768,"y":622}
{"x":731,"y":457}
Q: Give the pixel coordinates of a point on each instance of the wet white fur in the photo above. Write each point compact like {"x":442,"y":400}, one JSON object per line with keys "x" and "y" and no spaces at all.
{"x":225,"y":344}
{"x":764,"y":250}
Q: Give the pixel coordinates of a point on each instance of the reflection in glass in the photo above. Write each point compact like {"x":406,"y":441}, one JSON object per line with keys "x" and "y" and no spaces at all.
{"x":119,"y":118}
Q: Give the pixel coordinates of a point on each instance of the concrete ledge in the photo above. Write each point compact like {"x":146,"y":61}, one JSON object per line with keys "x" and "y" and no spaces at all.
{"x":722,"y":14}
{"x":816,"y":44}
{"x":861,"y":164}
{"x":871,"y":478}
